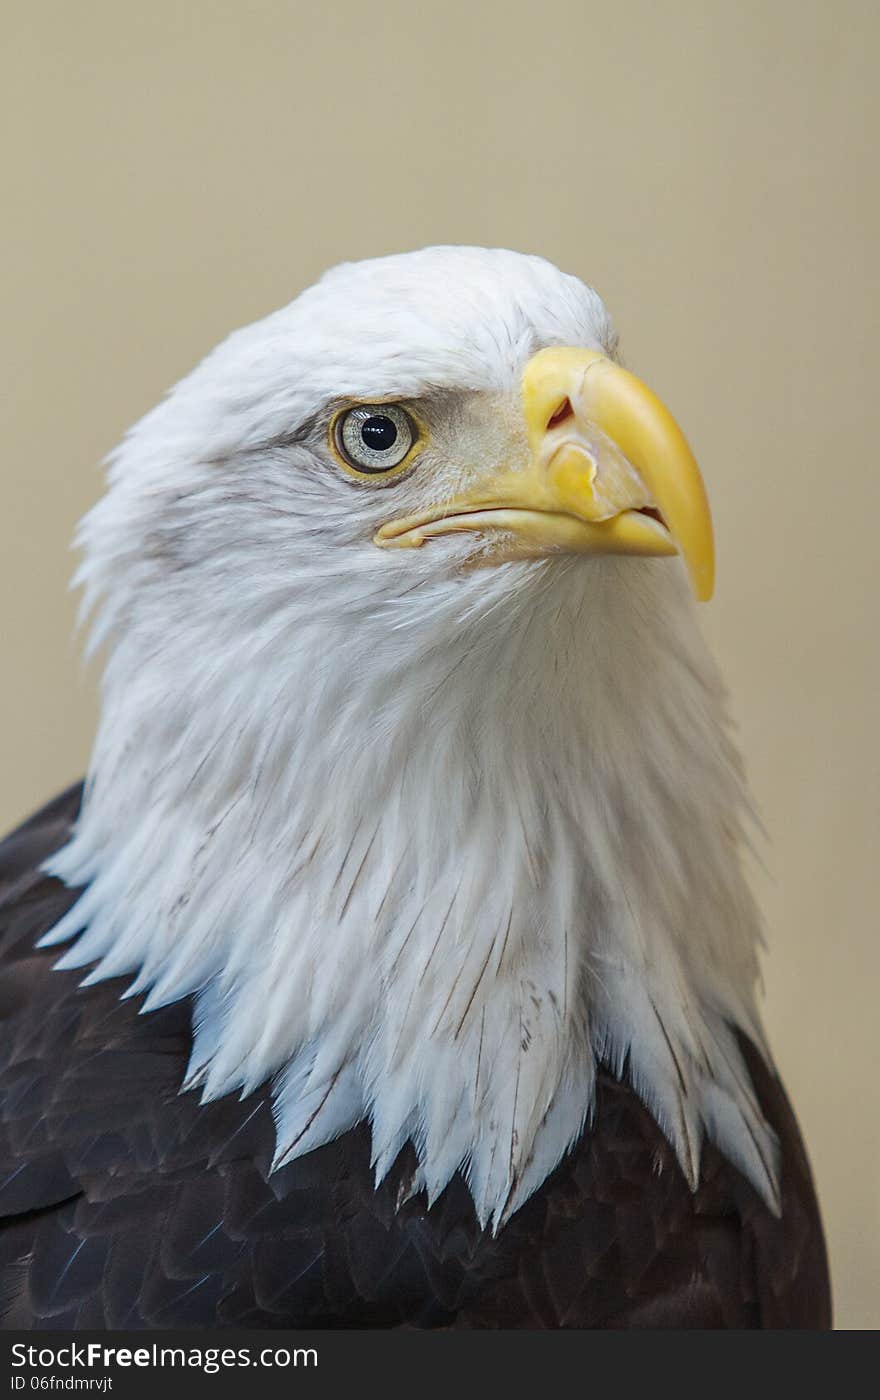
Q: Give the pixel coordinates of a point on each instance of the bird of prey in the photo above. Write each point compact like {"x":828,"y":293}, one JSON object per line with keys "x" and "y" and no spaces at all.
{"x":395,"y":964}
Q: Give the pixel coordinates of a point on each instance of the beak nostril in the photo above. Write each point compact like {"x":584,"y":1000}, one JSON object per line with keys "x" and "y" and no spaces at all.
{"x":560,"y":413}
{"x":654,"y":514}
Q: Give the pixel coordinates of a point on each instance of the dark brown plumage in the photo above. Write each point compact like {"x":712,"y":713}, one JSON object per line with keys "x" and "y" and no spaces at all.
{"x":125,"y":1204}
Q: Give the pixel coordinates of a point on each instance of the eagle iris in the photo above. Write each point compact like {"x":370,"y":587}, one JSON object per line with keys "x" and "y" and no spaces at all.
{"x":374,"y":438}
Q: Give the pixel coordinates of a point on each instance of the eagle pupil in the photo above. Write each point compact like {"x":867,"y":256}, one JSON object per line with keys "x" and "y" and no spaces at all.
{"x":379,"y":433}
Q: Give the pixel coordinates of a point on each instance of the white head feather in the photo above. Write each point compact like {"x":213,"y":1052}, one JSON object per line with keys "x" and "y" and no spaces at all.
{"x":427,"y":843}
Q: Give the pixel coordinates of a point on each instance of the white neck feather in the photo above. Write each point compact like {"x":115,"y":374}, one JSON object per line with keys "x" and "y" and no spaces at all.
{"x":434,"y":882}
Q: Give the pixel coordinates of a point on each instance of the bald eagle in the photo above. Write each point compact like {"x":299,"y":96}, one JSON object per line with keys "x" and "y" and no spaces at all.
{"x":395,"y":964}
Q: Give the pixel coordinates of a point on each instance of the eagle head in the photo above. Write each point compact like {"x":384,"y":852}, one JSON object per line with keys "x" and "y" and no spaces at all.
{"x":412,"y":767}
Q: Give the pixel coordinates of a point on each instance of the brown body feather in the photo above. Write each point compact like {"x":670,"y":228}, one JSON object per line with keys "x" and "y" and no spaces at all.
{"x":124,"y":1203}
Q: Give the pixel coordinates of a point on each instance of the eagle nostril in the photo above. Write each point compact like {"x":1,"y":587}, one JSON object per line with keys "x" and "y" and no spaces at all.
{"x":654,"y":514}
{"x":559,"y":415}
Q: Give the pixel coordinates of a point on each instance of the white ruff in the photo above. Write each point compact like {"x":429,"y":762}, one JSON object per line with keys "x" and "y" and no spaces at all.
{"x":426,"y":843}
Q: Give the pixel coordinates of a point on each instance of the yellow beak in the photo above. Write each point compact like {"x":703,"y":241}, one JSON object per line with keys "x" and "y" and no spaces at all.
{"x":609,"y":472}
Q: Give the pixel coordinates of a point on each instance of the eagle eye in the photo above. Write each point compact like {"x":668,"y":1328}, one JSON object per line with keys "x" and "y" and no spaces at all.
{"x":373,"y":439}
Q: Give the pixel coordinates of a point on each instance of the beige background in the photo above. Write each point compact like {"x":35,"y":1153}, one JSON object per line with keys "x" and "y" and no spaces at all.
{"x":172,"y":170}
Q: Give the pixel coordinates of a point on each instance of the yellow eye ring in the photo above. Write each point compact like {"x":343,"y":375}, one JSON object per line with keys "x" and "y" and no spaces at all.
{"x":371,"y":440}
